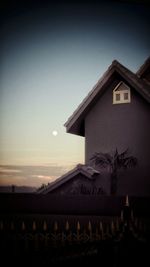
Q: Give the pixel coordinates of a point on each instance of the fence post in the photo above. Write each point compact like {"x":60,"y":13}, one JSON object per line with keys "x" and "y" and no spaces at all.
{"x":23,"y":229}
{"x":1,"y":225}
{"x":45,"y":234}
{"x":68,"y":232}
{"x":35,"y":236}
{"x":45,"y":226}
{"x":55,"y":233}
{"x":112,"y":228}
{"x":101,"y":230}
{"x":90,"y":229}
{"x":78,"y":231}
{"x":12,"y":227}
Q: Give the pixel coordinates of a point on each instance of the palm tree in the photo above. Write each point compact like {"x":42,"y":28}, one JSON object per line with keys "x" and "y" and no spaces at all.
{"x":113,"y":162}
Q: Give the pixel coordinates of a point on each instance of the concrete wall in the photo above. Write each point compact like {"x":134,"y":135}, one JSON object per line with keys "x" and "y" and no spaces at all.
{"x":122,"y":126}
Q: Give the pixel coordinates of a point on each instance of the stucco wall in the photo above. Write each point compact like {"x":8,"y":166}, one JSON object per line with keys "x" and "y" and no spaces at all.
{"x":122,"y":126}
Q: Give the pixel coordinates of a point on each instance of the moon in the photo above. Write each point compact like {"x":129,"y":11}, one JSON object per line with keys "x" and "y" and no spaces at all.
{"x":54,"y":133}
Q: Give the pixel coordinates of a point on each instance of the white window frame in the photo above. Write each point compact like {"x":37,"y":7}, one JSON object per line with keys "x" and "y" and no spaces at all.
{"x":121,"y":92}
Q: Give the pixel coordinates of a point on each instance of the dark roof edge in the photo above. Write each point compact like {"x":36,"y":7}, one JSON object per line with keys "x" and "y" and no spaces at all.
{"x":100,"y":81}
{"x":143,"y":68}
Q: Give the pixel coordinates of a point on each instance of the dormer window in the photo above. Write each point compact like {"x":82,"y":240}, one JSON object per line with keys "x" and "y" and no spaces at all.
{"x":121,"y":94}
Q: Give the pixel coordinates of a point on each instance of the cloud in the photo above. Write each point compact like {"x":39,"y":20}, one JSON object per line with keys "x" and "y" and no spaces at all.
{"x":8,"y":170}
{"x":44,"y":178}
{"x":30,"y":175}
{"x":12,"y":179}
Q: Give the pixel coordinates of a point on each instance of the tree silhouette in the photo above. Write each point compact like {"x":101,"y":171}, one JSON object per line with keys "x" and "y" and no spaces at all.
{"x":113,"y":162}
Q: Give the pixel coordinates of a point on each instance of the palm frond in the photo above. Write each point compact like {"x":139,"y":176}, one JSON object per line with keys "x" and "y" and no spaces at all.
{"x":102,"y":160}
{"x":116,"y":154}
{"x":129,"y":162}
{"x":115,"y":160}
{"x":123,"y":154}
{"x":109,"y":158}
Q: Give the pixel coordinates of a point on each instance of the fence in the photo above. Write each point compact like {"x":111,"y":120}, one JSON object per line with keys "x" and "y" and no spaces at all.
{"x":61,"y":239}
{"x":40,"y":235}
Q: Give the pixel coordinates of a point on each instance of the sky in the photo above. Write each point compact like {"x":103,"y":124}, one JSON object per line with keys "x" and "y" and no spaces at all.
{"x":52,"y":54}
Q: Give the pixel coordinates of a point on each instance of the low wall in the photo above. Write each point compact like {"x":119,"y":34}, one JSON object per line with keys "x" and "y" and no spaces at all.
{"x":76,"y":205}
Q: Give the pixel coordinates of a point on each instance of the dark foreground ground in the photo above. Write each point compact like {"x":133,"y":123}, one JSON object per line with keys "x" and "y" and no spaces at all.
{"x":99,"y":254}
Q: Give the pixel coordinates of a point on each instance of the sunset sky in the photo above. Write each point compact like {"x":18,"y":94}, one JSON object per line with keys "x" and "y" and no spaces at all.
{"x":51,"y":57}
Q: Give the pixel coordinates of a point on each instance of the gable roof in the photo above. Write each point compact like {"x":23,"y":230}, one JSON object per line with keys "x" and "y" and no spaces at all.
{"x":87,"y":171}
{"x":75,"y":123}
{"x":143,"y":68}
{"x":144,"y":71}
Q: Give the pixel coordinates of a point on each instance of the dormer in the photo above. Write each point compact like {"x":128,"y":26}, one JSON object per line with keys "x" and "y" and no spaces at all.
{"x":121,"y":93}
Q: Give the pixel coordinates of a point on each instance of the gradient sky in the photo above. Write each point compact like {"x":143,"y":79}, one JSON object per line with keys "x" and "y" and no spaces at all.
{"x":51,"y":57}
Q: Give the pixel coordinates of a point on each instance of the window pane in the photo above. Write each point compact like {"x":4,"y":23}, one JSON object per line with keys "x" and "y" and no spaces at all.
{"x":117,"y":97}
{"x":125,"y":96}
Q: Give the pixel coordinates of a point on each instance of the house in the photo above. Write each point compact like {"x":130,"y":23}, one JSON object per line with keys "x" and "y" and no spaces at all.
{"x":82,"y":180}
{"x":116,"y":114}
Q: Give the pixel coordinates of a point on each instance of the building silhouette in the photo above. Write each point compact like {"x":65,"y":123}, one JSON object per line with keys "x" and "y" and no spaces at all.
{"x":114,"y":115}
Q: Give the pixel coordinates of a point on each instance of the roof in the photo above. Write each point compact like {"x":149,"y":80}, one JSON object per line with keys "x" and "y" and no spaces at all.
{"x":75,"y":123}
{"x":88,"y":171}
{"x":143,"y":69}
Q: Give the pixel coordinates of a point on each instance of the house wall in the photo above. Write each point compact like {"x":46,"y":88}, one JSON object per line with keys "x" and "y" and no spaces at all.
{"x":81,"y":185}
{"x":122,"y":126}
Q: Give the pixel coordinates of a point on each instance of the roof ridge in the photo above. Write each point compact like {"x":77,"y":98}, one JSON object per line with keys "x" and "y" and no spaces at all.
{"x":143,"y":67}
{"x":115,"y":62}
{"x":136,"y":78}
